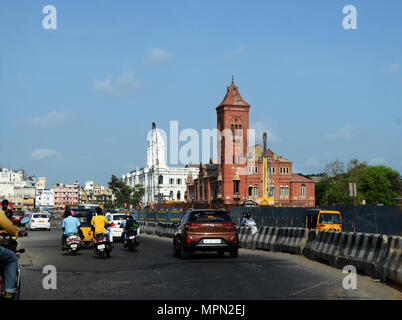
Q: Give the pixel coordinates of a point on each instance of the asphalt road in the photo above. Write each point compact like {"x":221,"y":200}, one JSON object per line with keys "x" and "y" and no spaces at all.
{"x":152,"y":272}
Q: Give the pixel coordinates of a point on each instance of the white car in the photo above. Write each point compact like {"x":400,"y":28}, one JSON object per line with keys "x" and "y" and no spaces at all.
{"x":117,"y":225}
{"x":39,"y":221}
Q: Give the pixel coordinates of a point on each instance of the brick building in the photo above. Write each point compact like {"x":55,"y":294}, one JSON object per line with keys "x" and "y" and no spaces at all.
{"x":237,"y":177}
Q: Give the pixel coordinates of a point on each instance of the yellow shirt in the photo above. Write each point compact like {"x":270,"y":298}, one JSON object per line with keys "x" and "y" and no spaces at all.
{"x":99,"y":223}
{"x":6,"y":226}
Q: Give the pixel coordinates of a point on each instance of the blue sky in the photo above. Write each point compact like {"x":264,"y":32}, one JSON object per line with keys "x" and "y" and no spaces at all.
{"x":78,"y":102}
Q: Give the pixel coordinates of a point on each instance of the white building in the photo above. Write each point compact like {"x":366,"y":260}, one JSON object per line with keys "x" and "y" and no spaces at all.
{"x":160,"y":181}
{"x":15,"y":183}
{"x":44,"y":198}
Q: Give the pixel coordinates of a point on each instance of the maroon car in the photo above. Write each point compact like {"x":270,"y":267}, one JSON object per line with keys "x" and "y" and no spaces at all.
{"x":17,"y":217}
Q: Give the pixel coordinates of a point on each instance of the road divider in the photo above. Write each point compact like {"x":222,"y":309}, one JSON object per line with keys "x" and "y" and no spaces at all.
{"x":391,"y":267}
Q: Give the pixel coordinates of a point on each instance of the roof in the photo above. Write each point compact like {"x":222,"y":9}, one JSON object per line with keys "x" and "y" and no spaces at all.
{"x":233,"y":97}
{"x":299,"y":178}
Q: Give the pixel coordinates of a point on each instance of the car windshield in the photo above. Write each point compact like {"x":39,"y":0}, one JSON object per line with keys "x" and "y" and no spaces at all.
{"x":44,"y":216}
{"x":210,"y":216}
{"x":330,"y":218}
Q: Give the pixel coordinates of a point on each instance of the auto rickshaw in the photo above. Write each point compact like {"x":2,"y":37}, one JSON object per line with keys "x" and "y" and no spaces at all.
{"x":85,"y":216}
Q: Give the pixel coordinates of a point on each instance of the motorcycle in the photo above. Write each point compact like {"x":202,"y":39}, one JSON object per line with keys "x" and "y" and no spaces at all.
{"x":250,"y":223}
{"x":73,"y":244}
{"x":102,"y":245}
{"x":133,"y":240}
{"x":7,"y":242}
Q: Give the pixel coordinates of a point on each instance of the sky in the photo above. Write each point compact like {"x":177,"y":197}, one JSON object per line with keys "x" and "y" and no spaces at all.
{"x":77,"y":102}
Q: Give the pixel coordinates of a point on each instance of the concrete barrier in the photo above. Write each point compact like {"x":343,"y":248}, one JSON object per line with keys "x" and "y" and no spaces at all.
{"x":364,"y":251}
{"x":246,"y":237}
{"x":291,"y":240}
{"x":165,"y":229}
{"x":391,"y":267}
{"x":150,"y":227}
{"x":266,"y":238}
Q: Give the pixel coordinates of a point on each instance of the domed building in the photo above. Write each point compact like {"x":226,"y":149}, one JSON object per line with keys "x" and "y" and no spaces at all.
{"x":160,"y":181}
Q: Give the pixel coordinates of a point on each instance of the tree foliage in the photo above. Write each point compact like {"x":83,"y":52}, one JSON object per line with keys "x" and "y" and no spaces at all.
{"x":375,"y":184}
{"x":125,"y":194}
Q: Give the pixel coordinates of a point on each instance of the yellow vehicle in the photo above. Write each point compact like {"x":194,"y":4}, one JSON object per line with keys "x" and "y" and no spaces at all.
{"x":85,"y":216}
{"x":323,"y":220}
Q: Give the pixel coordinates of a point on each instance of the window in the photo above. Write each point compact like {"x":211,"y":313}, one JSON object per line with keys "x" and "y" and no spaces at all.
{"x":160,"y":179}
{"x":250,"y":191}
{"x":303,"y":190}
{"x":236,"y":187}
{"x":178,"y":181}
{"x":171,"y":181}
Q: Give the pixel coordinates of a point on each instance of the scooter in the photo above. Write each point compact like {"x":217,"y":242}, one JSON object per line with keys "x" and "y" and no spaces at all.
{"x":7,"y":242}
{"x":250,"y":223}
{"x":73,"y":244}
{"x":133,"y":240}
{"x":102,"y":245}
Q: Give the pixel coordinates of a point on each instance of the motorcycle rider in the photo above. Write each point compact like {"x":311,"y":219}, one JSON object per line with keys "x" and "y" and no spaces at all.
{"x":8,"y":258}
{"x":70,"y":225}
{"x":130,"y":224}
{"x":6,"y":209}
{"x":100,"y":223}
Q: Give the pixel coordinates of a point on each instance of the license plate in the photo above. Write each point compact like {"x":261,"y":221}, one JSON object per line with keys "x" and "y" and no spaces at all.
{"x":212,"y":241}
{"x":73,"y":246}
{"x":41,"y":221}
{"x":100,"y":247}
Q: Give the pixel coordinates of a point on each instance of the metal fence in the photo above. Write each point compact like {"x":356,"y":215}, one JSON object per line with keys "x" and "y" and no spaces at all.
{"x":369,"y":218}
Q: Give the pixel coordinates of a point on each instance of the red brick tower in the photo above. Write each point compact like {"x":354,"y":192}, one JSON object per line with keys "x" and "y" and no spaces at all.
{"x":233,"y":124}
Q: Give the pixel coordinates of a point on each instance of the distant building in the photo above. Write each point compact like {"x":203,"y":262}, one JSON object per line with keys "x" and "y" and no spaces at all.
{"x":65,"y":194}
{"x":161,"y":183}
{"x":96,"y":194}
{"x":238,"y":175}
{"x":44,"y":198}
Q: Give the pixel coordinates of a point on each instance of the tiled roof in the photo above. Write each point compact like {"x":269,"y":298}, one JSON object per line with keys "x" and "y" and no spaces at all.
{"x":299,"y":178}
{"x":233,"y":97}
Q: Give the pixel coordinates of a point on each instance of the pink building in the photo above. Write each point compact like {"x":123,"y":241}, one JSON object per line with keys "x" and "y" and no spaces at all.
{"x":65,"y":195}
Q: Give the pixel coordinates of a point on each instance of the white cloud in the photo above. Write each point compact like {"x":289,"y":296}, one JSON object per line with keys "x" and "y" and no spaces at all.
{"x":40,"y":154}
{"x":52,"y":119}
{"x":157,"y":56}
{"x":377,"y":161}
{"x":344,"y":133}
{"x":125,"y":84}
{"x":396,"y":67}
{"x":234,"y":53}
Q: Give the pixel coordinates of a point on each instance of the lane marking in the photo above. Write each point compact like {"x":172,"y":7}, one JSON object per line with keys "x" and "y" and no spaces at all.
{"x":309,"y":288}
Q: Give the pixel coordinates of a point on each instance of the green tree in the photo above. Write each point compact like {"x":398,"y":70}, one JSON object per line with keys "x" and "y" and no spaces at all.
{"x":379,"y":184}
{"x":124,"y":193}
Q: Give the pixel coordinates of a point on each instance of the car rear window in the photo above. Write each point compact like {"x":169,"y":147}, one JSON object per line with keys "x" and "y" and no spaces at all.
{"x":43,"y":216}
{"x":209,"y":216}
{"x":119,"y":217}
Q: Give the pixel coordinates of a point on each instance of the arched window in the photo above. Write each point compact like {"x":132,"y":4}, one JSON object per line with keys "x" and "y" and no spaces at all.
{"x":178,"y":195}
{"x":160,"y":179}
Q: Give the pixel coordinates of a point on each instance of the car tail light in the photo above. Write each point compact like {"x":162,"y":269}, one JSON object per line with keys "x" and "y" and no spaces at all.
{"x":229,"y":224}
{"x":113,"y":224}
{"x":192,"y":224}
{"x":32,"y":220}
{"x":234,"y":239}
{"x":188,"y":240}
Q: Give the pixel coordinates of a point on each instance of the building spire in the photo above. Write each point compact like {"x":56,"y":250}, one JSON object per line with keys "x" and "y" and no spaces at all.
{"x":232,"y":79}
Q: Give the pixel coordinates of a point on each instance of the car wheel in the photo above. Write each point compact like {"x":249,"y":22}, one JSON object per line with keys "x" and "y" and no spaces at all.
{"x":234,"y":253}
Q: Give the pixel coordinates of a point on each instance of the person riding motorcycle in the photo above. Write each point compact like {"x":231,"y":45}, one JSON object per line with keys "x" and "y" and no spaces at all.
{"x":6,"y":209}
{"x":99,"y":224}
{"x":130,"y":224}
{"x":70,"y":225}
{"x":8,"y":258}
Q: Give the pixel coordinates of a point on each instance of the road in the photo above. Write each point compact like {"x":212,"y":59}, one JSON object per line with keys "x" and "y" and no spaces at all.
{"x":152,"y":272}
